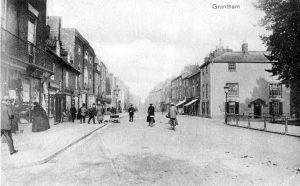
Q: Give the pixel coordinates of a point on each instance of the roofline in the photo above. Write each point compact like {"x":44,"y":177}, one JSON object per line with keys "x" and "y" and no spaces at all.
{"x":176,"y":77}
{"x":79,"y":35}
{"x":62,"y":60}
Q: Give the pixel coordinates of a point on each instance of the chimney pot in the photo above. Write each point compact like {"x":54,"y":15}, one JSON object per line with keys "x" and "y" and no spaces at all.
{"x":245,"y":48}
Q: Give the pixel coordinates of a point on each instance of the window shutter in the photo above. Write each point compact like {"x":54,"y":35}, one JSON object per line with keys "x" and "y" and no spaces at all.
{"x":227,"y":107}
{"x":271,"y":109}
{"x":236,"y":107}
{"x":280,"y":108}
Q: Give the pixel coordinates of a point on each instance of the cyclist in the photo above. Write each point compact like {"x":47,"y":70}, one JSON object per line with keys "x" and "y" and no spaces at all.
{"x":151,"y":111}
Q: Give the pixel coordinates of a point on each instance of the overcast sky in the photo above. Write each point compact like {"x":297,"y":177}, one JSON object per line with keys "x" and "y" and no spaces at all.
{"x":146,"y":41}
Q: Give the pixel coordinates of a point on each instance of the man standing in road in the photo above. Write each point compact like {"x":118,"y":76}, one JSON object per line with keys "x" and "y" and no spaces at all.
{"x":73,"y":112}
{"x":6,"y":120}
{"x":92,"y":113}
{"x":131,"y":111}
{"x":82,"y":112}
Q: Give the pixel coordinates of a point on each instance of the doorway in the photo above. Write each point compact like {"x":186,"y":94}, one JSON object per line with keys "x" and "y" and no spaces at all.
{"x":257,"y":110}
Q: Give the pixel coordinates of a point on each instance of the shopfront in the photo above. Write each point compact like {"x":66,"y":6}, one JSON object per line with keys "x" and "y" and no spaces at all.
{"x":52,"y":90}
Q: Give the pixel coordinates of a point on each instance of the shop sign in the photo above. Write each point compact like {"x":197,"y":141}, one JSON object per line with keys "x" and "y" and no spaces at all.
{"x":53,"y":85}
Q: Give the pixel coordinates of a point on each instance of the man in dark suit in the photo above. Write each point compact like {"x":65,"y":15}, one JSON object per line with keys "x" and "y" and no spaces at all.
{"x":131,"y":111}
{"x":6,"y":120}
{"x":92,"y":113}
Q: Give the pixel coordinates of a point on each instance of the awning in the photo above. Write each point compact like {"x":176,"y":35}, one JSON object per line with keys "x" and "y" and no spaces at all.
{"x":191,"y":102}
{"x":180,"y":103}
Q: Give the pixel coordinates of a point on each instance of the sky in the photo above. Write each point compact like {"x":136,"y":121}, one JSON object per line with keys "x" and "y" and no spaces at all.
{"x":144,"y":42}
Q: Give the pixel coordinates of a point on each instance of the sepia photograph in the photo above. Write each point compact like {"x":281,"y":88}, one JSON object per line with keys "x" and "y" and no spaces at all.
{"x":150,"y":92}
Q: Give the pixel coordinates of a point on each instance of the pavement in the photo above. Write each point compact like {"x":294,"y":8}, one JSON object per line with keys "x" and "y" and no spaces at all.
{"x":36,"y":148}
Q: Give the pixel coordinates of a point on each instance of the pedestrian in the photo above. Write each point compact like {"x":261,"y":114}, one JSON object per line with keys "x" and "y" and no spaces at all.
{"x":92,"y":113}
{"x":16,"y":110}
{"x":6,"y":117}
{"x":151,"y":111}
{"x":172,"y":114}
{"x":82,"y":113}
{"x":131,"y":111}
{"x":100,"y":112}
{"x":40,"y":121}
{"x":73,"y":113}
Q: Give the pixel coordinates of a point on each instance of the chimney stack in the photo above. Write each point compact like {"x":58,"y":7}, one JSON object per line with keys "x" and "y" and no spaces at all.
{"x":245,"y":48}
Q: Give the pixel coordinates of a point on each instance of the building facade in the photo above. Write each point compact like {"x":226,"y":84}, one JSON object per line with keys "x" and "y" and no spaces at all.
{"x":82,"y":57}
{"x":63,"y":85}
{"x":252,"y":90}
{"x":191,"y":86}
{"x":25,"y":65}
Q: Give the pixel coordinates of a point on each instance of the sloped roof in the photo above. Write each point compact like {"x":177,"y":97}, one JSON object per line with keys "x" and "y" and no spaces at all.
{"x":251,"y":56}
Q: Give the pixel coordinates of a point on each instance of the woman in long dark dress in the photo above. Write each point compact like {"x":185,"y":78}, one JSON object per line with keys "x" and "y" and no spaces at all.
{"x":40,"y":121}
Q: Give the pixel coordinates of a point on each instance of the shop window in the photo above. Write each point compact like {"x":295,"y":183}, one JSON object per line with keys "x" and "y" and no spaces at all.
{"x":233,"y":89}
{"x":275,"y":90}
{"x":231,"y":67}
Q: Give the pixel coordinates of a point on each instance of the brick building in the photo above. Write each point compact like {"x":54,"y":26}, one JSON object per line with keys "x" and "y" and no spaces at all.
{"x":63,"y":85}
{"x":192,"y":93}
{"x":82,"y":57}
{"x":25,"y":65}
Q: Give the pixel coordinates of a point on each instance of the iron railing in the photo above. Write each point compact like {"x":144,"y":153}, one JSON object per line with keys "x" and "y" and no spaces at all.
{"x":21,"y":50}
{"x":282,"y":124}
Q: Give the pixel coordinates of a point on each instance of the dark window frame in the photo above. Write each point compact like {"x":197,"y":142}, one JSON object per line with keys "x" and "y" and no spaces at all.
{"x":231,"y":67}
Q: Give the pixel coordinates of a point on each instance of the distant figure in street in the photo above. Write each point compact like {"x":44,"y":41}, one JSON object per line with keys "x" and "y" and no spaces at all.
{"x":162,"y":110}
{"x":151,"y":111}
{"x":6,"y":117}
{"x":73,"y":113}
{"x":173,"y":113}
{"x":40,"y":121}
{"x":100,"y":112}
{"x":92,"y":113}
{"x":82,"y":113}
{"x":131,"y":111}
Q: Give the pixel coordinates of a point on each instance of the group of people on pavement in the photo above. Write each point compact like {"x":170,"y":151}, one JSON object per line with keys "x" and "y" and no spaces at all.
{"x":91,"y":112}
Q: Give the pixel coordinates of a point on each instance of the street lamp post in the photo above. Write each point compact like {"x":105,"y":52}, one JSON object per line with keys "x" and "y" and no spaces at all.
{"x":226,"y":89}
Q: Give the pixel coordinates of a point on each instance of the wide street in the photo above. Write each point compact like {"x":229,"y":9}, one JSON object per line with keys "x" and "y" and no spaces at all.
{"x":200,"y":152}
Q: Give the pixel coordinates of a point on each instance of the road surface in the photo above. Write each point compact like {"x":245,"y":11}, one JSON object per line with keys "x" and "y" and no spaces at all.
{"x":200,"y":152}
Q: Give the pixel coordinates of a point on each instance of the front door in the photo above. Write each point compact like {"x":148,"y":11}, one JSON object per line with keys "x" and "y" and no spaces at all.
{"x":257,"y":110}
